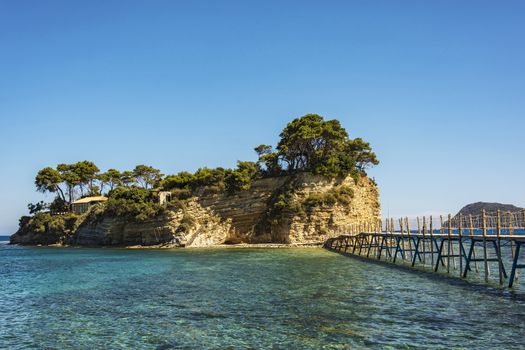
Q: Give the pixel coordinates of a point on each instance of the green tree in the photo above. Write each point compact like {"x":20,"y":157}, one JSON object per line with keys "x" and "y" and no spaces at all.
{"x":241,"y":178}
{"x":70,"y":179}
{"x":180,"y":180}
{"x":268,"y":161}
{"x":112,"y":178}
{"x":309,"y":140}
{"x":37,"y":207}
{"x":146,"y":176}
{"x":49,"y":180}
{"x":362,"y":153}
{"x":134,"y":202}
{"x":310,"y":143}
{"x":127,"y":178}
{"x":87,"y":173}
{"x":208,"y":177}
{"x":58,"y":206}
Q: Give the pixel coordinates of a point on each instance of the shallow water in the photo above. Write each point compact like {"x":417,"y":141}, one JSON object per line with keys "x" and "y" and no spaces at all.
{"x":65,"y":298}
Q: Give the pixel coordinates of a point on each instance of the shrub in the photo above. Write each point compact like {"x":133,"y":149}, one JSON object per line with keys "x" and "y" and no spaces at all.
{"x":186,"y":224}
{"x":241,"y":178}
{"x":134,"y":202}
{"x":181,"y":193}
{"x":58,"y":206}
{"x":339,"y":195}
{"x":45,"y":222}
{"x":175,"y":204}
{"x":178,"y":181}
{"x":206,"y":181}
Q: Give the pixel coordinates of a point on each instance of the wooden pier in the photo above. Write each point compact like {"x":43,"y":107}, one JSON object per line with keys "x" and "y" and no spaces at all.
{"x":456,"y":246}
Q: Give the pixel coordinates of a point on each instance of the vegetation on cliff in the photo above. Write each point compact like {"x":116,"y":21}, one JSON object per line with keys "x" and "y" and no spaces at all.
{"x":45,"y":228}
{"x":134,"y":203}
{"x":320,"y":146}
{"x":307,"y":144}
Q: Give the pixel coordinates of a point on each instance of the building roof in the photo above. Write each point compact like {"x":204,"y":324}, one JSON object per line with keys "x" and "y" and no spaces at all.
{"x":91,"y":199}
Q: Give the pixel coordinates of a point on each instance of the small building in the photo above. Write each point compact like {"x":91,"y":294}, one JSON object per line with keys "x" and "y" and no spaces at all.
{"x":164,"y":197}
{"x":82,"y":205}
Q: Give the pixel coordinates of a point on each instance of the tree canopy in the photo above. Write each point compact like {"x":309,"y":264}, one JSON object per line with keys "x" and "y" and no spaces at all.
{"x":72,"y":181}
{"x":310,"y":143}
{"x":146,"y":176}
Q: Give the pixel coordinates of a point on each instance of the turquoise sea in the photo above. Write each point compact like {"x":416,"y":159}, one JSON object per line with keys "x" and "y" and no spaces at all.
{"x":229,"y":298}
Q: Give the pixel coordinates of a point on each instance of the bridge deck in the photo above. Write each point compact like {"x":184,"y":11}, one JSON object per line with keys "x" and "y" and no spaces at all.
{"x":445,"y":250}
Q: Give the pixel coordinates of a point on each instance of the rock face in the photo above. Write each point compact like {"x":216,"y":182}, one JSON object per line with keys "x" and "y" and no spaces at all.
{"x":248,"y":210}
{"x":34,"y":238}
{"x":244,"y":208}
{"x":192,"y":226}
{"x":303,"y":209}
{"x":326,"y":221}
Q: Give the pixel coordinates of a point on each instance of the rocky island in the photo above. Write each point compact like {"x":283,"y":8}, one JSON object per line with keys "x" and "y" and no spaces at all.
{"x":311,"y":187}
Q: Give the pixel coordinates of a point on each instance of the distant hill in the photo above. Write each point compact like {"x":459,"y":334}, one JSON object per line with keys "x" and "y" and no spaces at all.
{"x":477,"y":208}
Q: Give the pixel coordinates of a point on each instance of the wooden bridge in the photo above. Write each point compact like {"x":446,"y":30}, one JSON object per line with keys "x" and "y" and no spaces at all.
{"x":460,"y":244}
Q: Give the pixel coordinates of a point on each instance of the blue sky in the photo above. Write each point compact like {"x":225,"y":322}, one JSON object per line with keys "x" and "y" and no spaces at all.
{"x":437,"y":87}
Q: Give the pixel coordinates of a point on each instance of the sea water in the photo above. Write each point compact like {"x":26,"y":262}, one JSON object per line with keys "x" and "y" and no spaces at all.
{"x":216,"y":298}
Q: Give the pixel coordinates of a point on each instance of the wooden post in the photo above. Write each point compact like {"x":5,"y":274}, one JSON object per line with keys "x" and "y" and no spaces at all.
{"x":498,"y":233}
{"x":484,"y":230}
{"x":431,"y":242}
{"x":402,"y":240}
{"x":418,"y":227}
{"x":409,"y":240}
{"x":442,"y":234}
{"x":460,"y":234}
{"x":471,"y":229}
{"x":424,"y":239}
{"x":392,"y":239}
{"x":498,"y":224}
{"x":511,"y":231}
{"x":392,"y":227}
{"x":450,"y":243}
{"x":386,"y":225}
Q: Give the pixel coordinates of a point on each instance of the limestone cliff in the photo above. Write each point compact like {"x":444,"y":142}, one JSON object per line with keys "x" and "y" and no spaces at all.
{"x":189,"y":226}
{"x":300,"y":220}
{"x":300,"y":209}
{"x":317,"y":210}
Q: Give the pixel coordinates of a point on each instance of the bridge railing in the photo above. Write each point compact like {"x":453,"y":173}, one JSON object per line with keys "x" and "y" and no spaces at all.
{"x":453,"y":243}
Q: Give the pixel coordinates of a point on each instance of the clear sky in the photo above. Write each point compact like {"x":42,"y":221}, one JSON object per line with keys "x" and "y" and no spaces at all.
{"x":437,"y":87}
